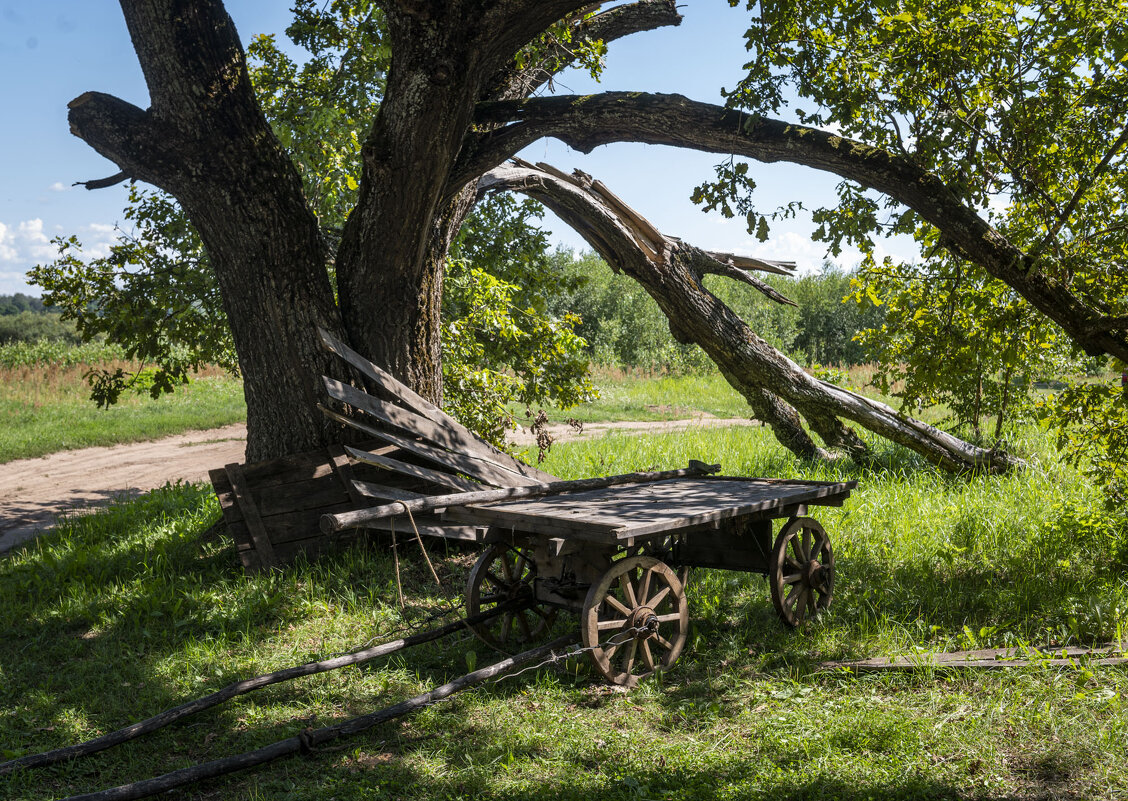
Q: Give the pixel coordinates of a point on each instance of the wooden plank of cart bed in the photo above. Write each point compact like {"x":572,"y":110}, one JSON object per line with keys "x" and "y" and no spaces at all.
{"x":599,"y":514}
{"x":467,"y":441}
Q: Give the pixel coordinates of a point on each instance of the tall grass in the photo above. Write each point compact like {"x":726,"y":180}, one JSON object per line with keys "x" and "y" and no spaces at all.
{"x":45,"y":402}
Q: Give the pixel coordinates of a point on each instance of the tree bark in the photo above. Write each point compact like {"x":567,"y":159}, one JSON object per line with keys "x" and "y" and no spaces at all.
{"x":205,"y":141}
{"x":587,"y":122}
{"x":670,"y":271}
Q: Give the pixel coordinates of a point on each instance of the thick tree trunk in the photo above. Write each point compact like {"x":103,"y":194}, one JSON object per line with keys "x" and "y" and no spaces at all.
{"x":204,"y":140}
{"x":671,"y":270}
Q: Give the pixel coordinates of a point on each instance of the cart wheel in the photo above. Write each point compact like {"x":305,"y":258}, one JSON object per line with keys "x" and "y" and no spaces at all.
{"x":506,"y":574}
{"x":802,"y":571}
{"x":642,"y":594}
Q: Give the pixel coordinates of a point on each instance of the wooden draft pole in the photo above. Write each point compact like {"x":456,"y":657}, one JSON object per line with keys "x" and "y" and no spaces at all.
{"x":309,"y":739}
{"x":169,"y":716}
{"x":358,"y":518}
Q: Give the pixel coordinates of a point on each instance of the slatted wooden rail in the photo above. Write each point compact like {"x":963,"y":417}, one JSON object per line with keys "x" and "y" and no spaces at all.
{"x":406,"y":448}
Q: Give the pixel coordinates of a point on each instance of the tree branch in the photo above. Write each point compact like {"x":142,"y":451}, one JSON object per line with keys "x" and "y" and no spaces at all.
{"x":589,"y":121}
{"x":644,"y":15}
{"x":666,"y":270}
{"x":102,"y":183}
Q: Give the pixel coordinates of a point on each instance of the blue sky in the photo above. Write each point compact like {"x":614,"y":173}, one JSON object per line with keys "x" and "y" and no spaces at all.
{"x":51,"y":51}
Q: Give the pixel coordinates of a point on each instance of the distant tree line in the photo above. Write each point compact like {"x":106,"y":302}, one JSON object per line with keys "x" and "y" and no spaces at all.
{"x":624,"y":327}
{"x":24,"y":318}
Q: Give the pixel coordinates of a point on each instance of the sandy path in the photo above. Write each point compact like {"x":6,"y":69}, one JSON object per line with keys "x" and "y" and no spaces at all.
{"x":34,"y":491}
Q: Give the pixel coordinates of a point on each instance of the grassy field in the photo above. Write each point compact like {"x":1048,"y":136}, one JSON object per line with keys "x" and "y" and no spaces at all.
{"x":116,"y":616}
{"x":45,"y":403}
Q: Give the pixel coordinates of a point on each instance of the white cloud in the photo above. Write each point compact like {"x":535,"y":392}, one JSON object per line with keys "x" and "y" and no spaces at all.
{"x":7,"y":250}
{"x":27,"y":243}
{"x":59,"y":186}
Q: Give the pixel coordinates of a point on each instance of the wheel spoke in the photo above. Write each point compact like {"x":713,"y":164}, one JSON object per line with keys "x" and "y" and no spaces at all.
{"x":658,"y":597}
{"x":644,"y":586}
{"x":658,"y":638}
{"x":669,"y":618}
{"x":793,"y":578}
{"x":506,"y":568}
{"x":524,"y":624}
{"x":614,"y":602}
{"x":628,"y":589}
{"x":821,"y":541}
{"x":628,"y":661}
{"x":501,"y":585}
{"x":647,"y":657}
{"x":796,"y":594}
{"x":801,"y":607}
{"x":806,"y":544}
{"x":522,"y":563}
{"x":811,"y":603}
{"x":608,"y":625}
{"x":506,"y":626}
{"x":491,"y":599}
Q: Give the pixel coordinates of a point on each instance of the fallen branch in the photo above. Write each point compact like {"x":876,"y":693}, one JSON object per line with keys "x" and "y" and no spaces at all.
{"x":310,"y":739}
{"x":241,"y":688}
{"x":988,"y":659}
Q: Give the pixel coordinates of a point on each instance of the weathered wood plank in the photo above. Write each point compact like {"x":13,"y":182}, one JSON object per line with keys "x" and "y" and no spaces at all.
{"x":480,"y":469}
{"x":989,"y":659}
{"x":413,"y":424}
{"x":415,"y":471}
{"x":554,"y":488}
{"x":343,"y":468}
{"x":366,"y":489}
{"x":431,"y":526}
{"x":468,"y":441}
{"x":643,"y":509}
{"x":250,"y":514}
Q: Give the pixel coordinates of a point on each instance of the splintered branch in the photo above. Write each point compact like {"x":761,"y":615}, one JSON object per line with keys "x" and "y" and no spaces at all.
{"x":777,"y":389}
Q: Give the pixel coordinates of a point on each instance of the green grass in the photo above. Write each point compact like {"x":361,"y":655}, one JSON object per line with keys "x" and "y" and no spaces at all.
{"x":638,"y":395}
{"x":47,"y":408}
{"x":116,"y":616}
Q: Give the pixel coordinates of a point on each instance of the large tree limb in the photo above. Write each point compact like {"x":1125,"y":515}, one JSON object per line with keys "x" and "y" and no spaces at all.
{"x":615,"y":23}
{"x":587,"y":122}
{"x":751,"y":365}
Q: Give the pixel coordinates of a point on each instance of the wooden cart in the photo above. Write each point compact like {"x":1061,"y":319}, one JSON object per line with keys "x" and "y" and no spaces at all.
{"x":616,"y":550}
{"x":619,"y":556}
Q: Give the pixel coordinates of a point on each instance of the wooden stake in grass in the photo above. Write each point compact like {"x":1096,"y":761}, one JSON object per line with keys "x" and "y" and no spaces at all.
{"x":310,"y":739}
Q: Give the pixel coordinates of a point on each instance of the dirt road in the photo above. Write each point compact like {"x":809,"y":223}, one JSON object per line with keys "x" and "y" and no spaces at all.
{"x":33,"y":492}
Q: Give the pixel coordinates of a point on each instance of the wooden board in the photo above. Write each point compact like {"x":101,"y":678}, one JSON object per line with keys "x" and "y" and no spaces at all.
{"x":485,"y":472}
{"x":415,"y":471}
{"x":454,"y":435}
{"x":622,"y":513}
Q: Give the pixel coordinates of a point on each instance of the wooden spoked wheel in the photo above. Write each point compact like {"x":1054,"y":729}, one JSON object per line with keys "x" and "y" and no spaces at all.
{"x":636,"y":619}
{"x":503,"y":574}
{"x":802,"y":571}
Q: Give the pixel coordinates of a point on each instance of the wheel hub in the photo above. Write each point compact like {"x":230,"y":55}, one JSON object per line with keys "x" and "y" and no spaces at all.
{"x":643,"y":618}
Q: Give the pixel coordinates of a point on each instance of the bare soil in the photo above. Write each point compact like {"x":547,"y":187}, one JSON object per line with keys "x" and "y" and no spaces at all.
{"x":35,"y":492}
